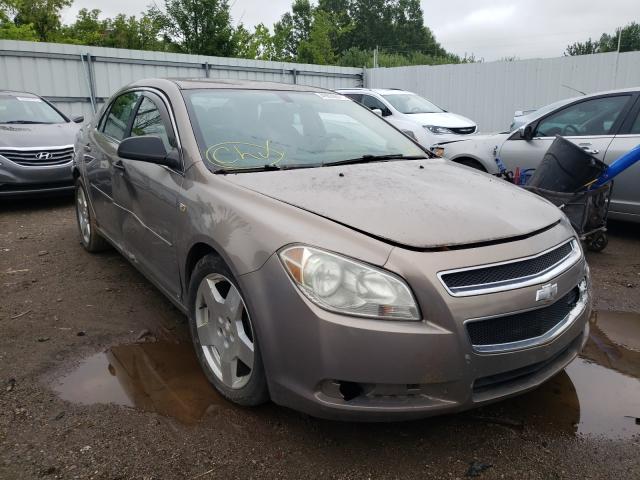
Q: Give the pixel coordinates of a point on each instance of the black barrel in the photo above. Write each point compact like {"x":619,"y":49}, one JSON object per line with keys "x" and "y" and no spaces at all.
{"x":566,"y":168}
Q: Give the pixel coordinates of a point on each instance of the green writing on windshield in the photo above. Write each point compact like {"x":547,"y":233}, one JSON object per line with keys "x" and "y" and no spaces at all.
{"x":228,"y":154}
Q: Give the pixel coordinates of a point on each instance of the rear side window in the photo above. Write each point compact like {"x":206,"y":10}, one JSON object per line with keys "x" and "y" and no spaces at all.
{"x":372,"y":103}
{"x":591,"y":117}
{"x":119,"y":115}
{"x":148,"y":121}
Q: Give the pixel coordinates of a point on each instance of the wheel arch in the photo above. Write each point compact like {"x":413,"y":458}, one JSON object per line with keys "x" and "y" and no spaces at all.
{"x":470,"y":161}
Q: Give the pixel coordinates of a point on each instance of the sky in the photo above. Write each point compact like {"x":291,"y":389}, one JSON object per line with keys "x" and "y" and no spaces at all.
{"x":489,"y":29}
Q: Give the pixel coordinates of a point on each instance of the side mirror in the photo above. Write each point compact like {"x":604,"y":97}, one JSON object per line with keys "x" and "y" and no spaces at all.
{"x":78,"y":119}
{"x":148,"y":149}
{"x":377,"y":111}
{"x":526,"y":132}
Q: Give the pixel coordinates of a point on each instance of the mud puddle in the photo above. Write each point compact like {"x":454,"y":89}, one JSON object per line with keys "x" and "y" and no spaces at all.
{"x":598,"y":394}
{"x":157,"y":377}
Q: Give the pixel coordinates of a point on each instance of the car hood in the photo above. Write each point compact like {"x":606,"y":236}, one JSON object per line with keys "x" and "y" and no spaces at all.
{"x":420,"y":204}
{"x":443,"y":119}
{"x":41,"y":135}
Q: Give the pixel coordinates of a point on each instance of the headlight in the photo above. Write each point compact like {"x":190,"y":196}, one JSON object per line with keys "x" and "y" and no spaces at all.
{"x":438,"y":130}
{"x":345,"y":286}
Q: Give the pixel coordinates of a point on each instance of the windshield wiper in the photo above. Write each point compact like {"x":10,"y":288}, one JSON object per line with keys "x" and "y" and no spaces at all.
{"x":375,"y":158}
{"x":263,"y":168}
{"x":26,"y":122}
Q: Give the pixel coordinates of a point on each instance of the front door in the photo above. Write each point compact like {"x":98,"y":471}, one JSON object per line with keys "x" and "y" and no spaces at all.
{"x":625,"y":203}
{"x":591,"y":124}
{"x":100,"y":157}
{"x":148,"y":196}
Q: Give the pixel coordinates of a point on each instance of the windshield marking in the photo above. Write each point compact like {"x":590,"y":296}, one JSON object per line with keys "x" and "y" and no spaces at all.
{"x":229,"y":153}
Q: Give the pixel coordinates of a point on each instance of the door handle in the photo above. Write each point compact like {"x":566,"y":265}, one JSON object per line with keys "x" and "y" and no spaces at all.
{"x":119,"y":165}
{"x":587,"y":147}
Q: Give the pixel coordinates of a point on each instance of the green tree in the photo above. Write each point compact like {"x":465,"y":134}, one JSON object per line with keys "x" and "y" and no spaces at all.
{"x":629,"y":42}
{"x":294,"y":27}
{"x":317,"y":47}
{"x":196,"y":26}
{"x":42,"y":15}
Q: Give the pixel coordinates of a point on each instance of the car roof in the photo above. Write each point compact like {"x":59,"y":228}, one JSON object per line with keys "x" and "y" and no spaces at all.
{"x":15,"y":93}
{"x":379,"y":91}
{"x":205,"y":83}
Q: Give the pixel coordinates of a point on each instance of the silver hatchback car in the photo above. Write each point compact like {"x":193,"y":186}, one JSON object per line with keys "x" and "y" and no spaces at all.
{"x":324,"y":259}
{"x":36,"y":146}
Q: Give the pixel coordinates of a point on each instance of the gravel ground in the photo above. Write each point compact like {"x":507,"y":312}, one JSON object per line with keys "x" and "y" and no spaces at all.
{"x":78,"y":331}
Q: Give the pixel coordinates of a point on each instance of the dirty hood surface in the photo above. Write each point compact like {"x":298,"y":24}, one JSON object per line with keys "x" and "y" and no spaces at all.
{"x":441,"y":204}
{"x":37,"y":135}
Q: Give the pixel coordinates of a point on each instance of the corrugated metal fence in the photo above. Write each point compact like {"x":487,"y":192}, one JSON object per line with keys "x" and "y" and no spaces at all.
{"x":75,"y":76}
{"x":490,"y":93}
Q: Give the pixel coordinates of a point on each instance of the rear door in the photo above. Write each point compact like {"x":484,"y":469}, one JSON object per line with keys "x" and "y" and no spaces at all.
{"x":148,"y":196}
{"x":591,"y":124}
{"x":625,"y":203}
{"x":100,"y":157}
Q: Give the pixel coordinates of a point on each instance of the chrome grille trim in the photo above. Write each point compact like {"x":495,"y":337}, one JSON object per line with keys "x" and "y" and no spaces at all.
{"x":26,"y":157}
{"x":547,"y":337}
{"x":513,"y":283}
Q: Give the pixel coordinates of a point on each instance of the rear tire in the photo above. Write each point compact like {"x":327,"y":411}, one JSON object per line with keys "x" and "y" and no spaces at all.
{"x":91,"y":240}
{"x":223,"y":335}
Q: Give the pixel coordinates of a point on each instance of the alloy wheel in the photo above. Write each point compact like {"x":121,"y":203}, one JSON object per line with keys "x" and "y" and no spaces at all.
{"x":224,"y":331}
{"x":82,"y":209}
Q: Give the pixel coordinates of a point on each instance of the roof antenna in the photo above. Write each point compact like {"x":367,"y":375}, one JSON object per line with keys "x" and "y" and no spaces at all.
{"x":574,"y":89}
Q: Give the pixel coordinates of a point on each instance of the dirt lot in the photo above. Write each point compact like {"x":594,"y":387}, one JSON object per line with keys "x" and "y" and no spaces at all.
{"x":98,"y":381}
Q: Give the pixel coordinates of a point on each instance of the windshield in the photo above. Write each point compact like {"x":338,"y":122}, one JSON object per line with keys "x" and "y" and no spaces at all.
{"x":411,"y":103}
{"x":243,"y":129}
{"x":14,"y":109}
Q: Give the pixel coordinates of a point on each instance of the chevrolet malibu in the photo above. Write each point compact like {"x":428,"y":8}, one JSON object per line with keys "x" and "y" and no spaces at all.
{"x":324,"y":260}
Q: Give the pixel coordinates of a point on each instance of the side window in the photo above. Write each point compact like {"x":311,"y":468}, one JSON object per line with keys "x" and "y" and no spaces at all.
{"x":591,"y":117}
{"x":356,"y":97}
{"x":635,"y":128}
{"x":119,"y":114}
{"x":148,"y":121}
{"x":372,"y":102}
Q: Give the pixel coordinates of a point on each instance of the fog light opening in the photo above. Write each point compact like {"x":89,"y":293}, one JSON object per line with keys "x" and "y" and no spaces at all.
{"x":350,"y":390}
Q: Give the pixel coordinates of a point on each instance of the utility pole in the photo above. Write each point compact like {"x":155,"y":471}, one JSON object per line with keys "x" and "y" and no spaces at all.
{"x":375,"y":57}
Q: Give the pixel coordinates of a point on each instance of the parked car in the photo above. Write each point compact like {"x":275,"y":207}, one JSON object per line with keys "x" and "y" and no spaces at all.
{"x":36,"y":146}
{"x":414,"y":115}
{"x":521,"y":118}
{"x":605,"y":124}
{"x":323,"y":258}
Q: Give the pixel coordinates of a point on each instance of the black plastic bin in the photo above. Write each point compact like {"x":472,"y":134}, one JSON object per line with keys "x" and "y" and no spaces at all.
{"x":566,"y":168}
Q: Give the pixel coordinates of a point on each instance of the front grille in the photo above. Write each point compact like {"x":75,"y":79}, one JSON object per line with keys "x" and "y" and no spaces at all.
{"x":520,"y":375}
{"x":486,"y":276}
{"x":39,"y":157}
{"x":522,"y":326}
{"x":463,"y":130}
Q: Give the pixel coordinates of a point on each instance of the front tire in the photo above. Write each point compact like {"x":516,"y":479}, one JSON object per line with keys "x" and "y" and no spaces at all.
{"x":89,"y":236}
{"x":223,"y":334}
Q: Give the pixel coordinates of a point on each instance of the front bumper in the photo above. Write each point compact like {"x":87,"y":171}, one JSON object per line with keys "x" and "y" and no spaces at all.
{"x":341,"y":367}
{"x":25,"y":181}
